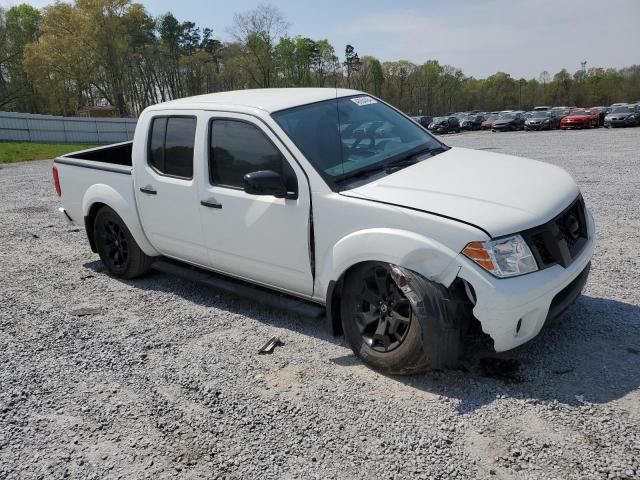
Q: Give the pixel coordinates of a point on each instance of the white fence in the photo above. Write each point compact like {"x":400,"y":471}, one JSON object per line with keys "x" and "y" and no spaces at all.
{"x":27,"y":127}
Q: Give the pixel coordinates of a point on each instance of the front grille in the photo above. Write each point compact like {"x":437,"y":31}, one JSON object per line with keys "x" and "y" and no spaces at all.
{"x":543,"y":252}
{"x":561,"y":239}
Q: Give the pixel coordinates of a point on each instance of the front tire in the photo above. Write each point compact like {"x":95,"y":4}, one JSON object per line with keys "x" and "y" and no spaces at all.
{"x":387,"y":330}
{"x":117,"y":248}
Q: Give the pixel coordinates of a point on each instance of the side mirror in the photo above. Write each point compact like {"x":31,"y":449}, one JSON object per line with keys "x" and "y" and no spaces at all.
{"x":264,"y":182}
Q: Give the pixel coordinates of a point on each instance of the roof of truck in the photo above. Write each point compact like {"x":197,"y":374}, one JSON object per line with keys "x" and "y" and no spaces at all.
{"x":267,"y":99}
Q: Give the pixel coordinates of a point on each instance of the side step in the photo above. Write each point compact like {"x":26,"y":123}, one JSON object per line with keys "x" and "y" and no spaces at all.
{"x":238,"y":287}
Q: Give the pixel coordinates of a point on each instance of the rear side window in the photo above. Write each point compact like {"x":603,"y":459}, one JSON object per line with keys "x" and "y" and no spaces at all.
{"x":171,"y":146}
{"x":237,"y":148}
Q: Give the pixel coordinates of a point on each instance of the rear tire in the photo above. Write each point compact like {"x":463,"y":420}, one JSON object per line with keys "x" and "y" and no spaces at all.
{"x":387,"y":330}
{"x":117,"y":248}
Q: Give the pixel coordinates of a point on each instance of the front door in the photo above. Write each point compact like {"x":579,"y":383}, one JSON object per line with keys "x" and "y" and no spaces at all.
{"x":166,"y":192}
{"x":259,"y":238}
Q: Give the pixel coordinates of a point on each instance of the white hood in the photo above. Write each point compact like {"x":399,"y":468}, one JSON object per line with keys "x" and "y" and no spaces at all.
{"x":501,"y":194}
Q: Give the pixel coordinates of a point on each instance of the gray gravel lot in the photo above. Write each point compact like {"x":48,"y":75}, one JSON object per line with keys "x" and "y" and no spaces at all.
{"x":162,"y":379}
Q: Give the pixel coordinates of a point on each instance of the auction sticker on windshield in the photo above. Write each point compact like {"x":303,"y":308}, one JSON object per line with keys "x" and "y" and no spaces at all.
{"x":360,"y":101}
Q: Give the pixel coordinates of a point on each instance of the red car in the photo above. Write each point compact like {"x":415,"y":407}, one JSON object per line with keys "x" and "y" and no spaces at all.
{"x":488,"y":122}
{"x":580,"y":119}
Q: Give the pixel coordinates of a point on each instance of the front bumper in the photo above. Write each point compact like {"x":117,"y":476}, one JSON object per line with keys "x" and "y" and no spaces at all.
{"x":574,"y":125}
{"x":537,"y":126}
{"x":618,"y":122}
{"x":504,"y":127}
{"x":514,"y":310}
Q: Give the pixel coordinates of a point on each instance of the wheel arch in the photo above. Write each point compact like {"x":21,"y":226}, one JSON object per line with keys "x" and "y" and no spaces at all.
{"x":405,"y":249}
{"x":101,"y":195}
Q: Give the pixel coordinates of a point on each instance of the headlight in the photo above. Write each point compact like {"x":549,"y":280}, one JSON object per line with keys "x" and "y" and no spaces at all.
{"x":506,"y":257}
{"x":546,"y":120}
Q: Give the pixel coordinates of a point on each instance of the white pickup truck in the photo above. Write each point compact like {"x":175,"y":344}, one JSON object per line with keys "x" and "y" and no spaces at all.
{"x":334,"y":204}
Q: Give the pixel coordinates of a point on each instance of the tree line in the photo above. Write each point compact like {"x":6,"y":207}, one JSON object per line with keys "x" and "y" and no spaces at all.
{"x":113,"y":52}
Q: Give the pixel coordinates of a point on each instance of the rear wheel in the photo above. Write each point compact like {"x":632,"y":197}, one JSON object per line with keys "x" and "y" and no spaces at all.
{"x":387,"y":330}
{"x":118,"y":250}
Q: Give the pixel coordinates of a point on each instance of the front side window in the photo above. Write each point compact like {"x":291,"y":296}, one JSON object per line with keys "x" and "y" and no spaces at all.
{"x":171,"y":146}
{"x":237,"y":148}
{"x":350,"y":136}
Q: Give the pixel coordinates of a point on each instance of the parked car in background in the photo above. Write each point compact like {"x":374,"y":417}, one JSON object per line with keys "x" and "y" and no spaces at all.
{"x":602,"y":113}
{"x":580,"y":119}
{"x":471,"y":122}
{"x":541,"y":120}
{"x":541,"y":109}
{"x":561,"y":111}
{"x":623,"y":116}
{"x":423,"y":120}
{"x":508,"y":121}
{"x":488,"y":121}
{"x":447,"y":124}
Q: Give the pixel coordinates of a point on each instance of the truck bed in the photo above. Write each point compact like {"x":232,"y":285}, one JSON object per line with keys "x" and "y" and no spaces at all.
{"x":106,"y":171}
{"x":117,"y":153}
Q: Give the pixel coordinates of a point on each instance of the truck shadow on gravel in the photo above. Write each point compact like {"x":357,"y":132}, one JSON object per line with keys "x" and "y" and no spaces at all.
{"x":590,"y":356}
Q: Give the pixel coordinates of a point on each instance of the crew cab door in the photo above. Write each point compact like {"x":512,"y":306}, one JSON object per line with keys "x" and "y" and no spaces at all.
{"x":166,"y":192}
{"x":260,"y":238}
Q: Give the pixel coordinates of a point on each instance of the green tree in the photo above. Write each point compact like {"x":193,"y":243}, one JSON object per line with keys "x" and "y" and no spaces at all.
{"x":18,"y":28}
{"x":257,"y":30}
{"x":351,"y":62}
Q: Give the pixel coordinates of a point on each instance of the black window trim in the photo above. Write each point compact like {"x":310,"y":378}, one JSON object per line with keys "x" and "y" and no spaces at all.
{"x":255,"y":125}
{"x":149,"y":133}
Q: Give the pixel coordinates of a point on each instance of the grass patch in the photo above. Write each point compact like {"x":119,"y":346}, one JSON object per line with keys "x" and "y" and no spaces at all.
{"x":11,"y":152}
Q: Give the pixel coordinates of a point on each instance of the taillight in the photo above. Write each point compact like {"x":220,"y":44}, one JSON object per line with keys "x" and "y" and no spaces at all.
{"x":56,"y":181}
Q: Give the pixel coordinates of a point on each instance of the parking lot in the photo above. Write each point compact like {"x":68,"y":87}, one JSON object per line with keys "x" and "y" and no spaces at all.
{"x":160,"y":377}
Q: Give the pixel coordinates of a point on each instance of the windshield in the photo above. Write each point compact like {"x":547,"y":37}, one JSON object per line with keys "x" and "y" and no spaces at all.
{"x":508,"y":116}
{"x":580,"y":113}
{"x":352,"y":134}
{"x":622,"y":110}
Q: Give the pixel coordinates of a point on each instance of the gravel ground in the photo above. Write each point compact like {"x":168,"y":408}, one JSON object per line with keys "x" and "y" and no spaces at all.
{"x":160,"y":377}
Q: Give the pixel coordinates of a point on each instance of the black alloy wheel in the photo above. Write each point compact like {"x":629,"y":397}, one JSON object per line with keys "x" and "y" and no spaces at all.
{"x":382,"y":313}
{"x":116,"y":244}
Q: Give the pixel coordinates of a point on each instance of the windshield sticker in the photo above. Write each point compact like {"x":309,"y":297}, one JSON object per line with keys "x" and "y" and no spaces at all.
{"x":360,"y":101}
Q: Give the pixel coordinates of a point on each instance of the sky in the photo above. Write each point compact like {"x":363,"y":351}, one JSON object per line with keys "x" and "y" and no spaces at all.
{"x":480,"y":37}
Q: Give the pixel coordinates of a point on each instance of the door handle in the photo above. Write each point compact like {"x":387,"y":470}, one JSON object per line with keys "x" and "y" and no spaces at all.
{"x":148,"y":190}
{"x":211,"y":204}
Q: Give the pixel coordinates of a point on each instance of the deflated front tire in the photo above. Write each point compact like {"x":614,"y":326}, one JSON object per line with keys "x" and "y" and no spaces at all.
{"x":398,"y":322}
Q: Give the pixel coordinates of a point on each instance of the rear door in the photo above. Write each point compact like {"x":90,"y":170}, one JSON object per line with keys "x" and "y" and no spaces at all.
{"x":260,"y":238}
{"x":166,"y":193}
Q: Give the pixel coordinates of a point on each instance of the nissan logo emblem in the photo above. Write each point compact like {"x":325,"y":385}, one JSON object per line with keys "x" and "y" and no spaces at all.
{"x":572,"y":226}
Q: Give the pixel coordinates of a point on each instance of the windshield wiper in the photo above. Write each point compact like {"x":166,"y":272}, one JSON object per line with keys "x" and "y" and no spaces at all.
{"x":390,"y":167}
{"x":410,"y":159}
{"x":364,"y":172}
